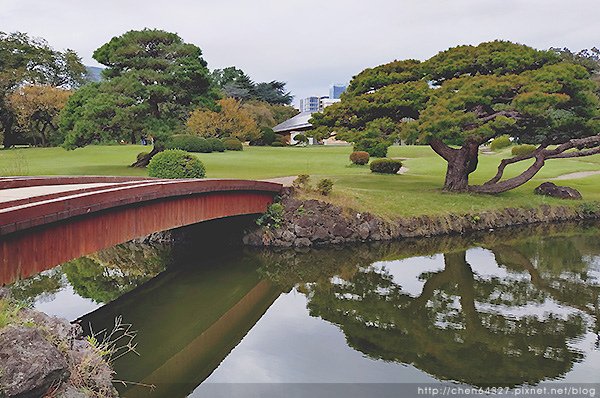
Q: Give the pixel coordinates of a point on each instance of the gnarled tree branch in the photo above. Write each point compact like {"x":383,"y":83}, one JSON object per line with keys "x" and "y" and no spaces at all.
{"x":584,"y":147}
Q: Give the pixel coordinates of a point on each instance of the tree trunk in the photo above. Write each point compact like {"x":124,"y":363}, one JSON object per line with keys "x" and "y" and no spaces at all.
{"x":511,"y":183}
{"x":9,"y":137}
{"x":461,"y":163}
{"x":144,"y":160}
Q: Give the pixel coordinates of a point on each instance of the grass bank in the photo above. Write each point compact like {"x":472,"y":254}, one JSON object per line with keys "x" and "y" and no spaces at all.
{"x":414,"y":193}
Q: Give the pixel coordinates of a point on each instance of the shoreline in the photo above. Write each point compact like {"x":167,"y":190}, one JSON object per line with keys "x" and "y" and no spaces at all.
{"x":311,"y":223}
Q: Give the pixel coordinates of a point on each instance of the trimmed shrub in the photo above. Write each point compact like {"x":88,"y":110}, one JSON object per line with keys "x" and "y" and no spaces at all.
{"x":359,"y":157}
{"x":188,"y":142}
{"x":175,"y":163}
{"x":500,"y":142}
{"x":216,"y":145}
{"x":524,"y":149}
{"x":233,"y":144}
{"x":373,"y":146}
{"x":277,"y":143}
{"x":385,"y":166}
{"x":325,"y":186}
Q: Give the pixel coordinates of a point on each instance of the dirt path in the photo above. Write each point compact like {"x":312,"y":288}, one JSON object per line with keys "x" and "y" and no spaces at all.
{"x":576,"y":176}
{"x":286,"y":181}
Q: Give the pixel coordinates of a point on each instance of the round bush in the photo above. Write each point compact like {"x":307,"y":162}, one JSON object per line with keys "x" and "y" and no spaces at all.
{"x":386,"y":166}
{"x":216,"y":145}
{"x":188,"y":142}
{"x":277,"y":143}
{"x":373,"y":146}
{"x":359,"y":157}
{"x":525,"y":149}
{"x":233,"y":144}
{"x":174,"y":163}
{"x":500,"y":142}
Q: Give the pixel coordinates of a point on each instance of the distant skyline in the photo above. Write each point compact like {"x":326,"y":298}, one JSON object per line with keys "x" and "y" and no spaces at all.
{"x":293,"y":41}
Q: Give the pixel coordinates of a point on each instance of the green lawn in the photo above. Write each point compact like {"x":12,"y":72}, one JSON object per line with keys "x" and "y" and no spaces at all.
{"x":416,"y":192}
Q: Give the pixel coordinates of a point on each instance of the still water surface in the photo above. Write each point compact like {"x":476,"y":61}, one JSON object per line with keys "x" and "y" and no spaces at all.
{"x":505,"y":309}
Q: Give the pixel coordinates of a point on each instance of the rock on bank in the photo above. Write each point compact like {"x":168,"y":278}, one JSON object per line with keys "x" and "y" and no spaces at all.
{"x":44,"y":356}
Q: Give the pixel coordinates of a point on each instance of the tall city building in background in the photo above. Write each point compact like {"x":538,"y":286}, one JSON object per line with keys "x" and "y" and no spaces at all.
{"x":309,"y":104}
{"x":336,"y":91}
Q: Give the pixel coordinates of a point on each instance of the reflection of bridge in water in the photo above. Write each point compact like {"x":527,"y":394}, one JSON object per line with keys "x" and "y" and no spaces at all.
{"x":46,"y":221}
{"x":188,"y":319}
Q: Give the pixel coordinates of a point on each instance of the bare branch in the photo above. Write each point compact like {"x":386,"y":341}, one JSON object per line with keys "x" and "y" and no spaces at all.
{"x":576,"y":154}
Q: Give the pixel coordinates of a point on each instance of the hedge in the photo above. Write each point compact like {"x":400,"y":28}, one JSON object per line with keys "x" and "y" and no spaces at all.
{"x":216,"y":144}
{"x":373,"y":146}
{"x":233,"y":144}
{"x":524,"y":149}
{"x":500,"y":142}
{"x":385,"y":166}
{"x":189,"y":143}
{"x":359,"y":157}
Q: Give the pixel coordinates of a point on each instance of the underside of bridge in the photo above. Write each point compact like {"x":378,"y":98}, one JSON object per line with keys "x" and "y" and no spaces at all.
{"x":46,"y":221}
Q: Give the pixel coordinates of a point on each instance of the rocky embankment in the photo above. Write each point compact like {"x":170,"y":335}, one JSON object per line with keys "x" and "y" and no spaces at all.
{"x":44,"y":356}
{"x":305,"y":223}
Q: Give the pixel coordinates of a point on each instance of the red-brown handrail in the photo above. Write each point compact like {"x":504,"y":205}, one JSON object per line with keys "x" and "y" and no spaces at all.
{"x":71,"y":204}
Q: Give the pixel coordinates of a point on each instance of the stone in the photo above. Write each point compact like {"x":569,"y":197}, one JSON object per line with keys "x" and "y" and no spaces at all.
{"x":302,"y":242}
{"x":305,"y":222}
{"x":4,"y":293}
{"x":302,"y":232}
{"x":321,"y":233}
{"x":363,"y":230}
{"x":556,"y":191}
{"x":341,"y":229}
{"x":29,"y":363}
{"x":287,"y":236}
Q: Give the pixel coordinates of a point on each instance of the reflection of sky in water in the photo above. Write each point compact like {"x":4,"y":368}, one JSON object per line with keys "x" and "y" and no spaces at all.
{"x":287,"y":345}
{"x":66,"y":304}
{"x":485,"y":267}
{"x":406,"y":272}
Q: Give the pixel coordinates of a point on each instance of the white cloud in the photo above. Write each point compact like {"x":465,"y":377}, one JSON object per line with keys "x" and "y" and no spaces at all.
{"x":310,"y":43}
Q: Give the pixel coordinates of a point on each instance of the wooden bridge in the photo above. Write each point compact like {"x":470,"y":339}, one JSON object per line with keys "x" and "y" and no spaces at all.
{"x":46,"y":221}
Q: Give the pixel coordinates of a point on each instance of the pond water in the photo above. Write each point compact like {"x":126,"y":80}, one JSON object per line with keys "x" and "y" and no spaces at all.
{"x":506,"y":309}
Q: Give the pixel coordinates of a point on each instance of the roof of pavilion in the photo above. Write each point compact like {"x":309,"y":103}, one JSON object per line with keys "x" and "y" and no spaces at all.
{"x":298,"y":122}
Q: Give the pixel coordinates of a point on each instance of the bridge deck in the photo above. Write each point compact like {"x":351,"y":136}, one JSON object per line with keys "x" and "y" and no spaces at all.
{"x":30,"y":202}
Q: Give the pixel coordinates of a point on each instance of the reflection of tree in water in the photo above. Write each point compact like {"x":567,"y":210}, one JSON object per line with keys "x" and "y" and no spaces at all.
{"x":573,"y":284}
{"x":40,"y":287}
{"x":462,"y":326}
{"x":109,"y":273}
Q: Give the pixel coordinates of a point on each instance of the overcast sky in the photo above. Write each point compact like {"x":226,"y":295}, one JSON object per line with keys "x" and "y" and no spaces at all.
{"x":309,"y":44}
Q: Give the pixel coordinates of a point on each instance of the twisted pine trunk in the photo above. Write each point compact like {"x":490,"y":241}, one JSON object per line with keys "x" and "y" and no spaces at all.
{"x":144,"y":160}
{"x":461,"y":162}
